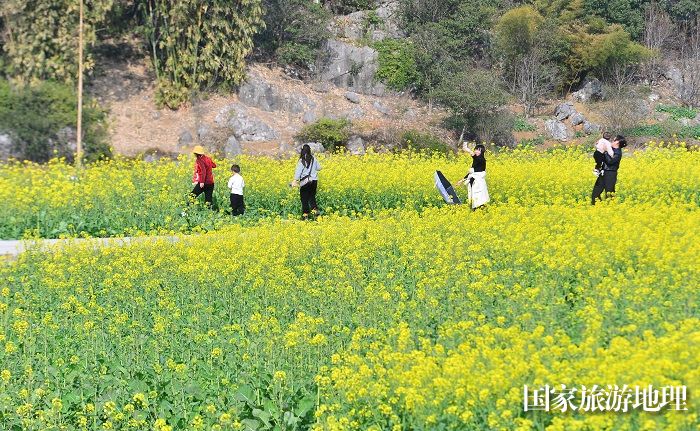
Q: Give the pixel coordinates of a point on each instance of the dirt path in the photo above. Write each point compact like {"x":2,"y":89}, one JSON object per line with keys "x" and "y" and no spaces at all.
{"x":13,"y":248}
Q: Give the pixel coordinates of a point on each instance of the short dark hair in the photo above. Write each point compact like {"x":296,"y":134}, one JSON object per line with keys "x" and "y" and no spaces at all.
{"x":621,"y":141}
{"x":236,"y":168}
{"x":480,"y":147}
{"x":607,"y":135}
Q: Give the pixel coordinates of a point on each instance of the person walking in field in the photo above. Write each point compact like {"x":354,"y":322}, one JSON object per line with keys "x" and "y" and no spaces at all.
{"x":236,"y":185}
{"x":607,"y":180}
{"x":203,"y":176}
{"x":306,"y":177}
{"x":476,"y":178}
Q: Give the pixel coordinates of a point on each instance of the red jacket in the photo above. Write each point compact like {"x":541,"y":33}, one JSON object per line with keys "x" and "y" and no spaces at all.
{"x":203,"y":170}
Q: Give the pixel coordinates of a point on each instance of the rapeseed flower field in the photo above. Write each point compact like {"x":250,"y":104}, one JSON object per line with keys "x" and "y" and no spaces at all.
{"x":127,"y":197}
{"x":391,"y":312}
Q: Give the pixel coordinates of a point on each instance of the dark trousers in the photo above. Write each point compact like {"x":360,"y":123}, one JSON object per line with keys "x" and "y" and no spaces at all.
{"x":599,"y":159}
{"x":604,"y":182}
{"x":237,"y":205}
{"x":308,"y":197}
{"x":208,"y":191}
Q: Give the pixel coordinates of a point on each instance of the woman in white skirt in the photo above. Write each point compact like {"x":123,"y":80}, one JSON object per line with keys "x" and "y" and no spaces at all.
{"x":476,"y":178}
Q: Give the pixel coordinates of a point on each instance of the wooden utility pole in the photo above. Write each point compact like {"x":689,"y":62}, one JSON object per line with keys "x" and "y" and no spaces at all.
{"x":79,"y":138}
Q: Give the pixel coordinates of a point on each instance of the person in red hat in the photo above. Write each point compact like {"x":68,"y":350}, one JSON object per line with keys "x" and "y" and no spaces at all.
{"x":203,"y":177}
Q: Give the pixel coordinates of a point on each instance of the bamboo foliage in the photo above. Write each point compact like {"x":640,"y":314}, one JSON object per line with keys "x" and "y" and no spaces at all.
{"x":197,"y":44}
{"x":41,"y":37}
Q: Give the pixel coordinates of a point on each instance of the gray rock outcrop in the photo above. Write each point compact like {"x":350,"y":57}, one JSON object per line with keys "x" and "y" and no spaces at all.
{"x":354,"y":114}
{"x":7,"y":147}
{"x":378,"y":24}
{"x":352,"y":97}
{"x":316,"y":147}
{"x":592,"y":89}
{"x":351,"y":67}
{"x":564,"y":111}
{"x":684,"y":81}
{"x":309,"y":117}
{"x":577,"y":118}
{"x":381,"y":108}
{"x":557,"y":130}
{"x":244,"y":125}
{"x":590,"y":128}
{"x":232,"y":148}
{"x":185,"y":140}
{"x":258,"y":93}
{"x":355,"y":145}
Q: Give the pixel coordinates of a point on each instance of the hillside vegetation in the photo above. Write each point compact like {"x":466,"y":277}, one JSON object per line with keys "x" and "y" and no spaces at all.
{"x":472,"y":58}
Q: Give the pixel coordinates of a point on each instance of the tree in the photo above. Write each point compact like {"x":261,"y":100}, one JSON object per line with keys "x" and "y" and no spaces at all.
{"x":628,"y":13}
{"x":41,"y":37}
{"x":445,"y":35}
{"x":195,"y":44}
{"x":471,"y":95}
{"x":343,"y":7}
{"x":523,"y":45}
{"x":689,"y":65}
{"x":397,"y":64}
{"x":517,"y":33}
{"x":610,"y":54}
{"x":294,"y":33}
{"x":535,"y":77}
{"x":658,"y":31}
{"x":416,"y":13}
{"x":431,"y":59}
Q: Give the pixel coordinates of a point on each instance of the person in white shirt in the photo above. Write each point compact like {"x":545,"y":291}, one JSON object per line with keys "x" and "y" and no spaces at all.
{"x":235,"y":185}
{"x":306,"y":177}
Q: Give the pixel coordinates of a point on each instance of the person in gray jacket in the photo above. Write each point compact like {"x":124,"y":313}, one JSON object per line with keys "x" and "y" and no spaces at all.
{"x":306,"y":177}
{"x":608,"y":177}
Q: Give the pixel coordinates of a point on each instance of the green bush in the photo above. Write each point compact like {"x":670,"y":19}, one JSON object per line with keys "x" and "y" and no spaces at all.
{"x":692,"y":132}
{"x":522,"y":125}
{"x":397,"y":65}
{"x":530,"y":143}
{"x":677,"y":112}
{"x":294,"y":33}
{"x":421,"y":141}
{"x":344,"y":7}
{"x":655,"y":130}
{"x":297,"y":54}
{"x":330,"y":133}
{"x":35,"y":115}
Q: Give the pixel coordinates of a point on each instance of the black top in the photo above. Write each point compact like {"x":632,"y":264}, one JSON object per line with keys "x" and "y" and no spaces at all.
{"x":478,"y":164}
{"x":613,"y":163}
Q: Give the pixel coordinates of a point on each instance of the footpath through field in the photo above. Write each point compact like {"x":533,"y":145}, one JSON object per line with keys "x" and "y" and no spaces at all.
{"x":13,"y":248}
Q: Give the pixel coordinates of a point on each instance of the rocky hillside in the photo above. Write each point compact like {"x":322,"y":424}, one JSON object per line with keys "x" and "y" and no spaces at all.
{"x":261,"y":118}
{"x":274,"y":104}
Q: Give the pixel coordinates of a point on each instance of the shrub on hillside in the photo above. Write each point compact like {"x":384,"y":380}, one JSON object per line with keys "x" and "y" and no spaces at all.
{"x":294,"y":33}
{"x":41,"y":120}
{"x":424,"y":141}
{"x":397,"y":64}
{"x":678,"y":112}
{"x":328,"y":132}
{"x":344,"y":7}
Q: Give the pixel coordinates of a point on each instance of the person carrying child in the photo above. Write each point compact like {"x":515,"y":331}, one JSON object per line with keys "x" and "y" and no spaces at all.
{"x":607,"y":181}
{"x":602,"y":147}
{"x":236,"y":185}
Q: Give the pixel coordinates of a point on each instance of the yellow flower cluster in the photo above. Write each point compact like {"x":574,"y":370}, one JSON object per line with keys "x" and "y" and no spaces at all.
{"x":406,"y":320}
{"x":132,"y":197}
